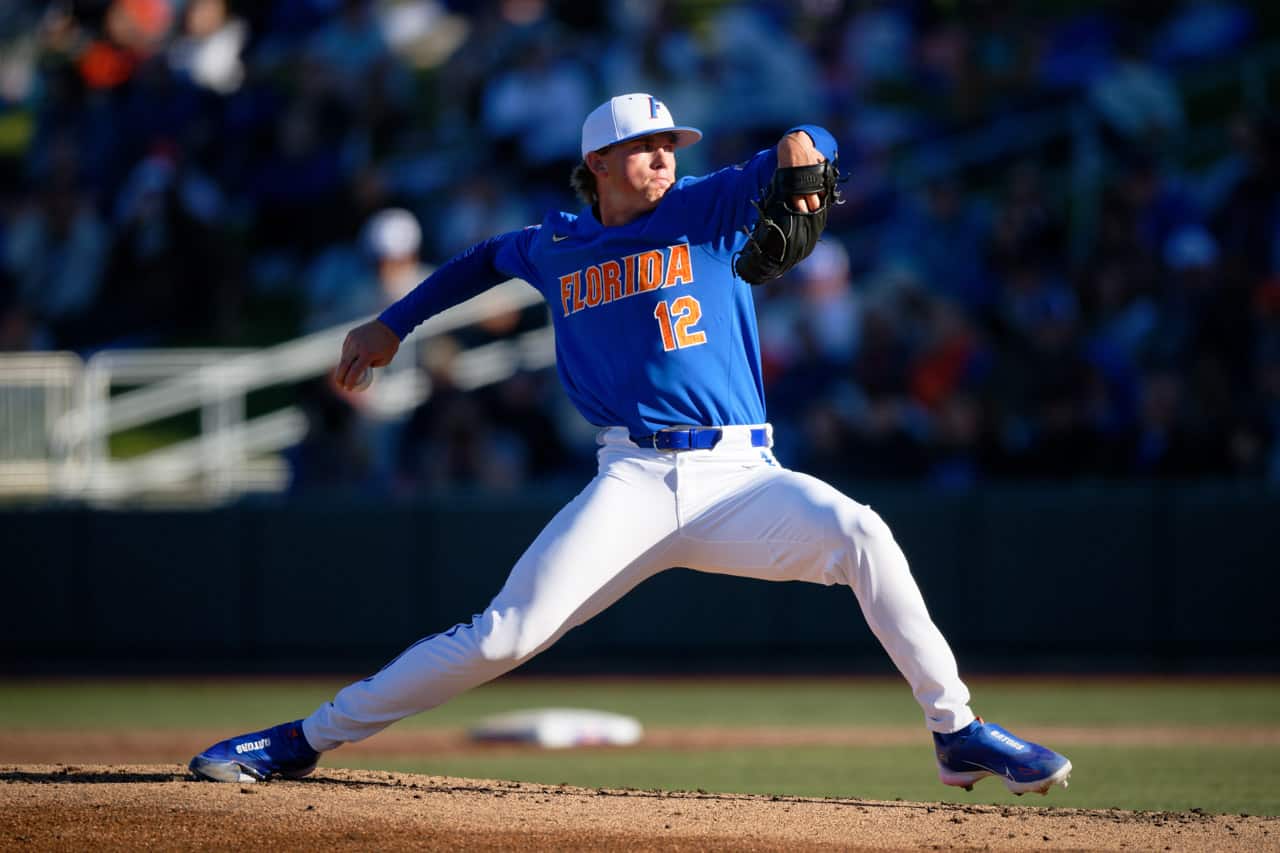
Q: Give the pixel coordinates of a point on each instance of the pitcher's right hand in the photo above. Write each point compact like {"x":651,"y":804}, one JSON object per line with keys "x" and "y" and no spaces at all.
{"x":369,"y":345}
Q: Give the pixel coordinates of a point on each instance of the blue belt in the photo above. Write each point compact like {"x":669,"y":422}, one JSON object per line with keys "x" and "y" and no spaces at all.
{"x":695,"y":438}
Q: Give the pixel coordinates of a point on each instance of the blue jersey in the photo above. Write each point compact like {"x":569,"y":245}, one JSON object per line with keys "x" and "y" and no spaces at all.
{"x":653,"y":327}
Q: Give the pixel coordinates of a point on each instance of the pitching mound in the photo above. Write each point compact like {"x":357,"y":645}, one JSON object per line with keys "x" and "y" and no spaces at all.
{"x":65,"y":807}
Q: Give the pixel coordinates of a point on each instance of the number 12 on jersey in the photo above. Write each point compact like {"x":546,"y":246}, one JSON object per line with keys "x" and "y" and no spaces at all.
{"x":676,"y":322}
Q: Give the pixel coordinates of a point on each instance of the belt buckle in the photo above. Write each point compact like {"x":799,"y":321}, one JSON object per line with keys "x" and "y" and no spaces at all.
{"x":686,"y":430}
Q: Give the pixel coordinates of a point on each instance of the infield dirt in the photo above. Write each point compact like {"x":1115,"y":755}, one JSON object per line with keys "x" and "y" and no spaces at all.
{"x":79,"y":807}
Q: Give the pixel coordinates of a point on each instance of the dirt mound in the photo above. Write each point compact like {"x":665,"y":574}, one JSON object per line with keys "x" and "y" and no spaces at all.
{"x":77,"y":807}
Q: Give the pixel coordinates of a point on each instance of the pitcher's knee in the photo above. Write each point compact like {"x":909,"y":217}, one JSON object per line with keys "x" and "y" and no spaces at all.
{"x":870,"y":542}
{"x":508,"y":636}
{"x":862,"y":525}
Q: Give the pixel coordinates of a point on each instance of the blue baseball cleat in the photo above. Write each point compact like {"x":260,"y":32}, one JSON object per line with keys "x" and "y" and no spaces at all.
{"x":984,"y":749}
{"x":255,"y":757}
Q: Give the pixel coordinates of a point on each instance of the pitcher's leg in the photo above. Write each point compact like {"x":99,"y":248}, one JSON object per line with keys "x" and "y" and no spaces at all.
{"x":896,"y":613}
{"x":782,"y":525}
{"x":594,"y":551}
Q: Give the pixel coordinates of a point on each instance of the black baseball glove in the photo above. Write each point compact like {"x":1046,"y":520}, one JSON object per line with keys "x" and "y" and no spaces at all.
{"x":783,"y":237}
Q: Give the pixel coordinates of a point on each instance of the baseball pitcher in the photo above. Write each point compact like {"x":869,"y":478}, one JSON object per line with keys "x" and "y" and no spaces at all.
{"x":649,"y":287}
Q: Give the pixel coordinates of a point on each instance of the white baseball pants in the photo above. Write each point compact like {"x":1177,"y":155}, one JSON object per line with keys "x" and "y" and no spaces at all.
{"x":731,"y":510}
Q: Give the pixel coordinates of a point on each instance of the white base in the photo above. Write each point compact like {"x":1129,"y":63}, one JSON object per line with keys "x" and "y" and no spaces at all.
{"x":560,"y":728}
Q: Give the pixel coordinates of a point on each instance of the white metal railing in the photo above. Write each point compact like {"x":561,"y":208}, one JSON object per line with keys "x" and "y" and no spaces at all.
{"x":231,"y":453}
{"x":197,"y":379}
{"x":36,"y":390}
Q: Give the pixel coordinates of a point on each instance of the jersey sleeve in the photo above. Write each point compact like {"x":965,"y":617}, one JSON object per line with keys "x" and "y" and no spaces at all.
{"x":463,"y":276}
{"x":728,"y":194}
{"x":723,"y":199}
{"x":822,"y":140}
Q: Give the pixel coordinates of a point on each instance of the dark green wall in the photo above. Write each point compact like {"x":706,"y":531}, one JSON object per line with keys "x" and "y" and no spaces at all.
{"x":1115,"y":577}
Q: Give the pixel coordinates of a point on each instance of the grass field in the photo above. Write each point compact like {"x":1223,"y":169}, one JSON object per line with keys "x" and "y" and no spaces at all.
{"x":1231,"y":765}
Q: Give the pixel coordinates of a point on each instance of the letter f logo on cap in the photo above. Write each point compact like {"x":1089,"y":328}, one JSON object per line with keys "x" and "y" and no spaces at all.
{"x":624,"y":117}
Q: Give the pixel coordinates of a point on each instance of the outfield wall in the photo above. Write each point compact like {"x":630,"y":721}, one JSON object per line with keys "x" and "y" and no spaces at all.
{"x":1115,"y":577}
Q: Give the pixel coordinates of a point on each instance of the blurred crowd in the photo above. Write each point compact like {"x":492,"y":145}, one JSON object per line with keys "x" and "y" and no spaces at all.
{"x":1100,"y":298}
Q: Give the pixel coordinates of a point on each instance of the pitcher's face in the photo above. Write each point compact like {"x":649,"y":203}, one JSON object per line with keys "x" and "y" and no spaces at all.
{"x":639,"y":170}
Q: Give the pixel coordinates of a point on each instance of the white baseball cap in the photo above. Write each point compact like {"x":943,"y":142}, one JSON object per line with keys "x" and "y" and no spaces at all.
{"x":624,"y":117}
